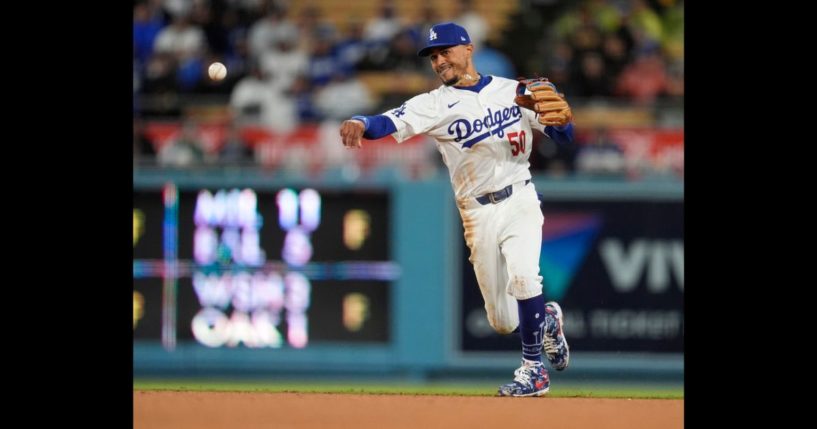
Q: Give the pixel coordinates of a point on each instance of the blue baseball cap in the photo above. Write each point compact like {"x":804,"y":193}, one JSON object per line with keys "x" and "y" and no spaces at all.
{"x":443,"y":35}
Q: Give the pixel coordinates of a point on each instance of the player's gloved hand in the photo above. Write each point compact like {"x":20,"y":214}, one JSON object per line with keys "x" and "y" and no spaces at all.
{"x":543,"y":99}
{"x":351,"y":132}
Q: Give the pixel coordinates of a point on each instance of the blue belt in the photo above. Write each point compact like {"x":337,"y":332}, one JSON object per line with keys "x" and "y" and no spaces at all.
{"x":495,"y":197}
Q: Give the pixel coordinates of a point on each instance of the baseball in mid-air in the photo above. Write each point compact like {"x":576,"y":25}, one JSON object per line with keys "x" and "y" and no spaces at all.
{"x":217,"y":71}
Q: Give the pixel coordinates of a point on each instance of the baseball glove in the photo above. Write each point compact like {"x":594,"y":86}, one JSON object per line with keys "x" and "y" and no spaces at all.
{"x":551,"y":107}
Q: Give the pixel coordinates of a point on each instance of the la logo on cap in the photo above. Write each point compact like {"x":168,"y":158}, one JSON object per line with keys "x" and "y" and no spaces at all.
{"x":432,"y":35}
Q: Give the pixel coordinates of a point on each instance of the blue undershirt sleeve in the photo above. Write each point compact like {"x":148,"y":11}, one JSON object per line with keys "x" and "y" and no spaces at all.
{"x":560,"y":135}
{"x":376,"y":126}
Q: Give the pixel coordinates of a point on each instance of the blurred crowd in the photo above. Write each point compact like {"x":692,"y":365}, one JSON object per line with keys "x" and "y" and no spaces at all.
{"x":289,"y":68}
{"x":632,"y":49}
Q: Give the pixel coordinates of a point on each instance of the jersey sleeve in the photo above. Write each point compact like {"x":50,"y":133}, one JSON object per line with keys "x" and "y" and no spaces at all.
{"x":416,"y":116}
{"x":530,"y":116}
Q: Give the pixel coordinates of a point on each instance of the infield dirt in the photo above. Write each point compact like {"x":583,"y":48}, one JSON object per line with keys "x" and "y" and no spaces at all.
{"x":205,"y":410}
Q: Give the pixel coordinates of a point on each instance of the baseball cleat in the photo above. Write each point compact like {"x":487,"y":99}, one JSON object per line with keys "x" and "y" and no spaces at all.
{"x":528,"y":380}
{"x":555,"y":344}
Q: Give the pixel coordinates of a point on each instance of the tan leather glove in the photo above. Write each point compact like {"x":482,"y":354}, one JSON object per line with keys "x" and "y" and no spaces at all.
{"x":550,"y":106}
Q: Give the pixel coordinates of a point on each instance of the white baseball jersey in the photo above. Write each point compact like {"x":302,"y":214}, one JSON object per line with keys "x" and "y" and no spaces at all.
{"x":485,"y":140}
{"x":484,"y":137}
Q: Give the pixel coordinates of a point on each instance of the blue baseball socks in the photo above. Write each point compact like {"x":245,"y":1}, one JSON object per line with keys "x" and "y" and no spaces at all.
{"x":532,"y":327}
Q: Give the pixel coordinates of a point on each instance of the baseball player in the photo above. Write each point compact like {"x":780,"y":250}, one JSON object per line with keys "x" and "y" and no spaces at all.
{"x":482,"y":127}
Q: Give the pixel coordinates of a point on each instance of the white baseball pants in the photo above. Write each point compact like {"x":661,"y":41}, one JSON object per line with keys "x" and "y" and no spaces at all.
{"x":505,"y":241}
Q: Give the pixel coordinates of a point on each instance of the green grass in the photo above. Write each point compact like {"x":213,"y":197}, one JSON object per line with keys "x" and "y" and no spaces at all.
{"x":564,"y":391}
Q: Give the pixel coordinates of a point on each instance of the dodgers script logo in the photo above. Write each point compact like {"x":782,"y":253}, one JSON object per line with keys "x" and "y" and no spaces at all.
{"x":493,"y":123}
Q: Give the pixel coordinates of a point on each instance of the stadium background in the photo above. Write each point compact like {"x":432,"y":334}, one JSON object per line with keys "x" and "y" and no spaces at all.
{"x":351,"y":264}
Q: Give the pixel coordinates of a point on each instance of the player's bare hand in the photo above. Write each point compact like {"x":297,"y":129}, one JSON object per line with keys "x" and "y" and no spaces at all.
{"x":351,"y":131}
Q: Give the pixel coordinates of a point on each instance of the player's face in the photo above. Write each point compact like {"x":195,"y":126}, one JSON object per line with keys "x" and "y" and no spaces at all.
{"x":451,"y":63}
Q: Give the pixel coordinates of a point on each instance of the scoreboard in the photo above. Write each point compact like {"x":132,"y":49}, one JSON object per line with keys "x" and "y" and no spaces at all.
{"x":261,"y":268}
